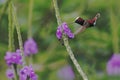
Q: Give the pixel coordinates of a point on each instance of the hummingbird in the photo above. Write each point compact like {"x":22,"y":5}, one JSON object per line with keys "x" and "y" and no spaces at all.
{"x":86,"y":23}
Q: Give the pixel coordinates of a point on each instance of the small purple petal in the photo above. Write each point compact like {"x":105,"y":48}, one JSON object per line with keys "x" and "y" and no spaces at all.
{"x":8,"y":58}
{"x":35,"y":77}
{"x":27,"y":71}
{"x":23,"y":77}
{"x":66,"y":30}
{"x":71,"y":35}
{"x":66,"y":73}
{"x":30,"y":47}
{"x":59,"y":32}
{"x":8,"y":55}
{"x":113,"y":65}
{"x":24,"y":73}
{"x":10,"y":73}
{"x":13,"y":58}
{"x":18,"y":51}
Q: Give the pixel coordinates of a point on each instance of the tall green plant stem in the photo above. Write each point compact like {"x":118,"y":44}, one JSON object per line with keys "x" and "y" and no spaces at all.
{"x":31,"y":5}
{"x":18,"y":32}
{"x":66,"y":43}
{"x":11,"y":36}
{"x":114,"y":31}
{"x":10,"y":29}
{"x":31,"y":2}
{"x":59,"y":21}
{"x":4,"y":8}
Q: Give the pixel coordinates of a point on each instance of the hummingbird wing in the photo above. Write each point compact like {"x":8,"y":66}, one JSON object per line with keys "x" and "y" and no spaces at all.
{"x":81,"y":29}
{"x":79,"y":20}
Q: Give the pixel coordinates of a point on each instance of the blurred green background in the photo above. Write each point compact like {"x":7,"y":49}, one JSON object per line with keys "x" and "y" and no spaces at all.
{"x":92,"y":48}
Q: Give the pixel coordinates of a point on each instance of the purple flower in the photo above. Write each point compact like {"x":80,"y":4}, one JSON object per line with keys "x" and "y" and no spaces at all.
{"x":27,"y":73}
{"x":10,"y":73}
{"x":13,"y":58}
{"x":66,"y":31}
{"x":30,"y":47}
{"x":66,"y":73}
{"x":59,"y":32}
{"x":113,"y":65}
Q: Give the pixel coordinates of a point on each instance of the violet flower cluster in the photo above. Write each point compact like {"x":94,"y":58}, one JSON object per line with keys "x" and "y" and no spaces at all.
{"x":113,"y":65}
{"x":13,"y":58}
{"x":27,"y":73}
{"x":66,"y":73}
{"x":64,"y":28}
{"x":10,"y":73}
{"x":30,"y":47}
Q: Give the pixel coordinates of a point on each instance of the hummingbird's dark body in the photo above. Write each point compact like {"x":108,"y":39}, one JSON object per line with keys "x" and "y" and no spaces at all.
{"x":86,"y":23}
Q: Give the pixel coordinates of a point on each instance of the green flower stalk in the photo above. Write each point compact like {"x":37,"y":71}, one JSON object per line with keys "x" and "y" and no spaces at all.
{"x":11,"y":36}
{"x":31,"y":4}
{"x":4,"y":8}
{"x":114,"y":31}
{"x":19,"y":33}
{"x":66,"y":43}
{"x":10,"y":29}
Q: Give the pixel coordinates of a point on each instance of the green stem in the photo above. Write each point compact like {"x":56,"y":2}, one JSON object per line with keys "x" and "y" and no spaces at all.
{"x":69,"y":50}
{"x":4,"y":8}
{"x":11,"y":33}
{"x":66,"y":43}
{"x":10,"y":29}
{"x":15,"y":71}
{"x":19,"y":33}
{"x":59,"y":21}
{"x":31,"y":60}
{"x":31,"y":5}
{"x":30,"y":18}
{"x":114,"y":31}
{"x":13,"y":46}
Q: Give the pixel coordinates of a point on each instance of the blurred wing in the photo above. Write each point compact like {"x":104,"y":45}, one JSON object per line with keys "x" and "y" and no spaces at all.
{"x":81,"y":29}
{"x":79,"y":20}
